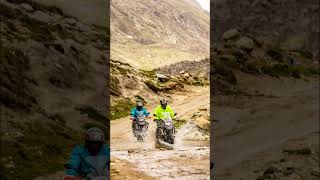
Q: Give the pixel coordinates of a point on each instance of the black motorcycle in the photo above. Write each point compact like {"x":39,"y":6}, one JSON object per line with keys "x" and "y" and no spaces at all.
{"x":166,"y":130}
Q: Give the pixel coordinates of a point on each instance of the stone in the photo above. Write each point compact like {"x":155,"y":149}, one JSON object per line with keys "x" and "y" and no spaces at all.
{"x":83,"y":27}
{"x":162,"y":77}
{"x":186,"y":75}
{"x":245,"y":43}
{"x":71,"y":21}
{"x":315,"y":172}
{"x":42,"y":16}
{"x":27,"y":7}
{"x":230,"y":34}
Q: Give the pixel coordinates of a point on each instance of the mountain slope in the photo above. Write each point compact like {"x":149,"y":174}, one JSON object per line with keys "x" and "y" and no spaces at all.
{"x":289,"y":24}
{"x":151,"y":33}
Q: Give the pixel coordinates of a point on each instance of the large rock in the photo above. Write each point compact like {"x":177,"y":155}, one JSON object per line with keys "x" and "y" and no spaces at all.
{"x":162,"y":77}
{"x":203,"y":123}
{"x":245,"y":43}
{"x":230,"y":34}
{"x":27,"y":7}
{"x":43,"y":17}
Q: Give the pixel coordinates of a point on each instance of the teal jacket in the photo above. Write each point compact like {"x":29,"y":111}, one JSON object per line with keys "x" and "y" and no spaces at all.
{"x":77,"y":165}
{"x":135,"y":112}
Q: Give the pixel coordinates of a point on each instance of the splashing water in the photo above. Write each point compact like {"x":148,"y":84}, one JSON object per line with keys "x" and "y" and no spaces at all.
{"x":167,"y":163}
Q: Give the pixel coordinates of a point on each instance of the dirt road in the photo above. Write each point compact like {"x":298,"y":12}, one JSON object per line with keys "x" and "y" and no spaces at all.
{"x":186,"y":161}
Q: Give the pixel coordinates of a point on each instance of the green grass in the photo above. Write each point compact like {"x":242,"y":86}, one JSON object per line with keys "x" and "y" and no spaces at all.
{"x":121,"y":108}
{"x":153,"y":86}
{"x":114,"y":88}
{"x":149,"y":74}
{"x":198,"y":82}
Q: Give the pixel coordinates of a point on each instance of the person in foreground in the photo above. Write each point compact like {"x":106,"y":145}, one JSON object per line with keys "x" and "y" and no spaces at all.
{"x":89,"y":160}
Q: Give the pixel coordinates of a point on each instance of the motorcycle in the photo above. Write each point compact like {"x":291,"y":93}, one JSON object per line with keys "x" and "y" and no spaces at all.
{"x":166,"y":130}
{"x":99,"y":166}
{"x":141,"y":127}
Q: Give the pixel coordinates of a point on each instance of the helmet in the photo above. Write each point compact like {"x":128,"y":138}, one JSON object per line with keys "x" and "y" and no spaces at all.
{"x":139,"y":103}
{"x":163,"y":102}
{"x":94,"y":134}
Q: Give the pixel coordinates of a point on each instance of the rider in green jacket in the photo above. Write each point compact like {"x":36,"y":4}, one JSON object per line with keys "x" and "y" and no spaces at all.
{"x":162,"y":111}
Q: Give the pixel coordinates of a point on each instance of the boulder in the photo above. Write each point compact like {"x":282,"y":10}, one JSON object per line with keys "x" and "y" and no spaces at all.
{"x":315,"y":172}
{"x":245,"y":43}
{"x":42,"y":16}
{"x":230,"y":34}
{"x":162,"y":77}
{"x":83,"y":27}
{"x":187,"y":75}
{"x":71,"y":21}
{"x":27,"y":7}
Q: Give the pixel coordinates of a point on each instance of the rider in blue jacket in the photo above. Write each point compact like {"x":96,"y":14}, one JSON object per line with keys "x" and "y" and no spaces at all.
{"x":94,"y":146}
{"x":137,"y":111}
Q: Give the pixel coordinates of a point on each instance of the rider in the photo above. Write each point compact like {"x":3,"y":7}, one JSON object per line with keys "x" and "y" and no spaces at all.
{"x":136,"y":111}
{"x":94,"y":146}
{"x":161,"y":111}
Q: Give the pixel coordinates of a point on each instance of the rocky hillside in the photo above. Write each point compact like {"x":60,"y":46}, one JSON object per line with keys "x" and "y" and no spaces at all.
{"x":129,"y":84}
{"x":243,"y":52}
{"x":195,"y":68}
{"x":289,"y":24}
{"x":53,"y":82}
{"x":149,"y":34}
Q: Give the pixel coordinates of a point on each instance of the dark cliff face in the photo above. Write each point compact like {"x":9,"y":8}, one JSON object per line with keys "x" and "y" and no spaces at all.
{"x":290,"y":24}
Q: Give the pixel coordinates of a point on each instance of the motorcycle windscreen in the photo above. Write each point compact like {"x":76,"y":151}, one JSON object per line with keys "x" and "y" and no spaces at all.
{"x":99,"y":165}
